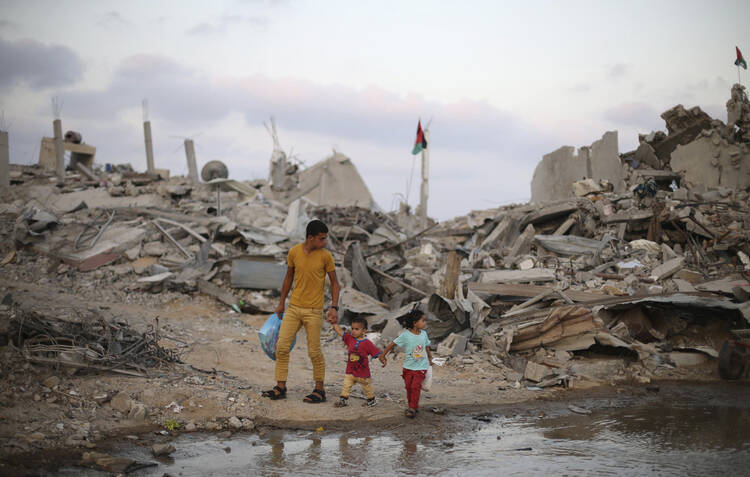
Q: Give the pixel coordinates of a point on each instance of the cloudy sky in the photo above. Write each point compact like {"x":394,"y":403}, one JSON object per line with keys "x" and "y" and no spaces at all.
{"x":503,"y":83}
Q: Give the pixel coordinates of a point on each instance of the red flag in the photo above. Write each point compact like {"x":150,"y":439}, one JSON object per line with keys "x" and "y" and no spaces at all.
{"x":421,"y":142}
{"x":740,"y":61}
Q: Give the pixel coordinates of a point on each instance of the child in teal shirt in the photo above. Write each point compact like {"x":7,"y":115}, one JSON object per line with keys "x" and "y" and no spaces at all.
{"x":415,"y":343}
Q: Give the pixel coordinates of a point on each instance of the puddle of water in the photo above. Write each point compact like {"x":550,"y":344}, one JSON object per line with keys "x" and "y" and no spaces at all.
{"x":694,"y":430}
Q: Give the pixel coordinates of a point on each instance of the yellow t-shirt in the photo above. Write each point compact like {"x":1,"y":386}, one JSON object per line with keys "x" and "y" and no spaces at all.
{"x":309,"y":275}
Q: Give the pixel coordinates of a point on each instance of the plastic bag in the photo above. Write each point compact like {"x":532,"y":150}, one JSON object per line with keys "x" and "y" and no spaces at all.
{"x":269,"y":335}
{"x":427,"y":383}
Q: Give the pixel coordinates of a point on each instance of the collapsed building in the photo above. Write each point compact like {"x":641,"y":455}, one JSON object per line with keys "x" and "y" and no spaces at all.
{"x":640,"y":257}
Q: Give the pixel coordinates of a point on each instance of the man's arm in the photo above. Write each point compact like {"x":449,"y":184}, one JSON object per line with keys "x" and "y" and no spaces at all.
{"x":333,"y":314}
{"x":285,"y":287}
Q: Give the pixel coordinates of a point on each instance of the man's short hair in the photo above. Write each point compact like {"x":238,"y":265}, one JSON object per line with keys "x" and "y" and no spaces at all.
{"x":361,"y":320}
{"x":315,"y":227}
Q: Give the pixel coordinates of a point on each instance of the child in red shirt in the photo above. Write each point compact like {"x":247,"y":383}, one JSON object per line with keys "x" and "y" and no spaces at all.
{"x":357,"y":366}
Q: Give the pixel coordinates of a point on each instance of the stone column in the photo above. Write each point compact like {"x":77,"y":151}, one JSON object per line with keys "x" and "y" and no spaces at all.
{"x":59,"y":149}
{"x":4,"y":160}
{"x":192,"y":166}
{"x":149,"y":148}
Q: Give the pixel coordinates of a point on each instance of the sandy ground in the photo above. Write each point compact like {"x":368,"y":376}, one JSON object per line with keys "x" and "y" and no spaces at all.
{"x":223,"y":374}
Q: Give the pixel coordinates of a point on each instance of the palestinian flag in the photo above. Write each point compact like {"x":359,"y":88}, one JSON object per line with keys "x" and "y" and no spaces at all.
{"x":740,"y":61}
{"x":421,"y":142}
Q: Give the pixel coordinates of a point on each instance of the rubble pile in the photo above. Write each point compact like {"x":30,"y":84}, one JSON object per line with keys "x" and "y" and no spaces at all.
{"x":651,"y":263}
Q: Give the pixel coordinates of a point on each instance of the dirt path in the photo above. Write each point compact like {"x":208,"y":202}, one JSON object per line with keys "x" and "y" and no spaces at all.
{"x":223,"y":373}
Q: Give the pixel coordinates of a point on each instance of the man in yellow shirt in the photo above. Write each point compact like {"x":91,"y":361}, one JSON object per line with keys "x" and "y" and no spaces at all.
{"x":308,"y":263}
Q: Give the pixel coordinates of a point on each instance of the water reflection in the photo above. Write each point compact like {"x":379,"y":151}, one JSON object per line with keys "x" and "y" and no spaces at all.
{"x":674,"y":433}
{"x":649,"y":425}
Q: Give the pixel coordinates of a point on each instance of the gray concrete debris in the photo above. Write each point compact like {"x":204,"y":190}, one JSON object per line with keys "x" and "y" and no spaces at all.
{"x":262,"y":273}
{"x":572,"y":245}
{"x":453,"y":345}
{"x":645,"y":245}
{"x":555,"y":174}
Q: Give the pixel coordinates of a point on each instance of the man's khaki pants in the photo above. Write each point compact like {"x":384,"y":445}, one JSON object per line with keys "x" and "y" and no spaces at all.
{"x":295,"y":318}
{"x":350,"y":380}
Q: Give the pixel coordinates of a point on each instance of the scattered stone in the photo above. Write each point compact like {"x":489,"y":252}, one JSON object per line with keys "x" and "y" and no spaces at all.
{"x":106,"y":462}
{"x":51,"y":382}
{"x":235,"y":423}
{"x":138,"y":411}
{"x":159,"y":450}
{"x":248,"y":425}
{"x":121,"y":403}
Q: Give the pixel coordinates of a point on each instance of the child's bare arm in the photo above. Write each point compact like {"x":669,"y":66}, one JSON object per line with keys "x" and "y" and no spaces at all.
{"x":387,"y":350}
{"x":429,"y":355}
{"x":338,"y":329}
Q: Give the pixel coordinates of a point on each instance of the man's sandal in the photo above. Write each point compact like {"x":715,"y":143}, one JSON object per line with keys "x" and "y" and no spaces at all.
{"x":275,"y":393}
{"x":369,"y":403}
{"x":315,"y":397}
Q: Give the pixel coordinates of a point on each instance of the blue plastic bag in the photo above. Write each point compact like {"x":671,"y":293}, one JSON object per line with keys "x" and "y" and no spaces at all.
{"x":269,"y":335}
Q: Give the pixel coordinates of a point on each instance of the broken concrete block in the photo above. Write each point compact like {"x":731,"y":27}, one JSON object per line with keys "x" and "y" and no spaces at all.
{"x":355,"y":262}
{"x":689,"y":276}
{"x":586,"y":186}
{"x":683,"y":285}
{"x":453,"y":345}
{"x":498,"y":234}
{"x":522,"y":244}
{"x":667,"y":253}
{"x":667,"y":269}
{"x":536,"y":372}
{"x":645,"y":154}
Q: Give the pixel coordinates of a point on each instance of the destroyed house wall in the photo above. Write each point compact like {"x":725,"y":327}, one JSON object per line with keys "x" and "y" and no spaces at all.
{"x":335,"y":182}
{"x":554,"y":176}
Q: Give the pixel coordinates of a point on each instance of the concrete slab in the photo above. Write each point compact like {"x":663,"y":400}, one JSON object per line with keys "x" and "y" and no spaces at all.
{"x":517,"y":276}
{"x":259,"y":273}
{"x":100,"y":198}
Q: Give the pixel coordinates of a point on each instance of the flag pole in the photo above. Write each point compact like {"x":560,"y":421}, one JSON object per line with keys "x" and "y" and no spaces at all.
{"x":424,"y":191}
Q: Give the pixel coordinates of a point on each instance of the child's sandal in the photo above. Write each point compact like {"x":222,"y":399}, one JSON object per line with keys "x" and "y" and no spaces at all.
{"x":410,"y":413}
{"x":342,"y":402}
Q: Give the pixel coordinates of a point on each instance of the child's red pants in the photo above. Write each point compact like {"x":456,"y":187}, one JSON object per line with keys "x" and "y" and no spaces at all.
{"x":413,"y":382}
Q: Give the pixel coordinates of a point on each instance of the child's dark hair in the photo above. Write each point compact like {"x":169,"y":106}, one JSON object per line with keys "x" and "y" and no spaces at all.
{"x":408,"y":320}
{"x":361,"y":320}
{"x":315,"y":227}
